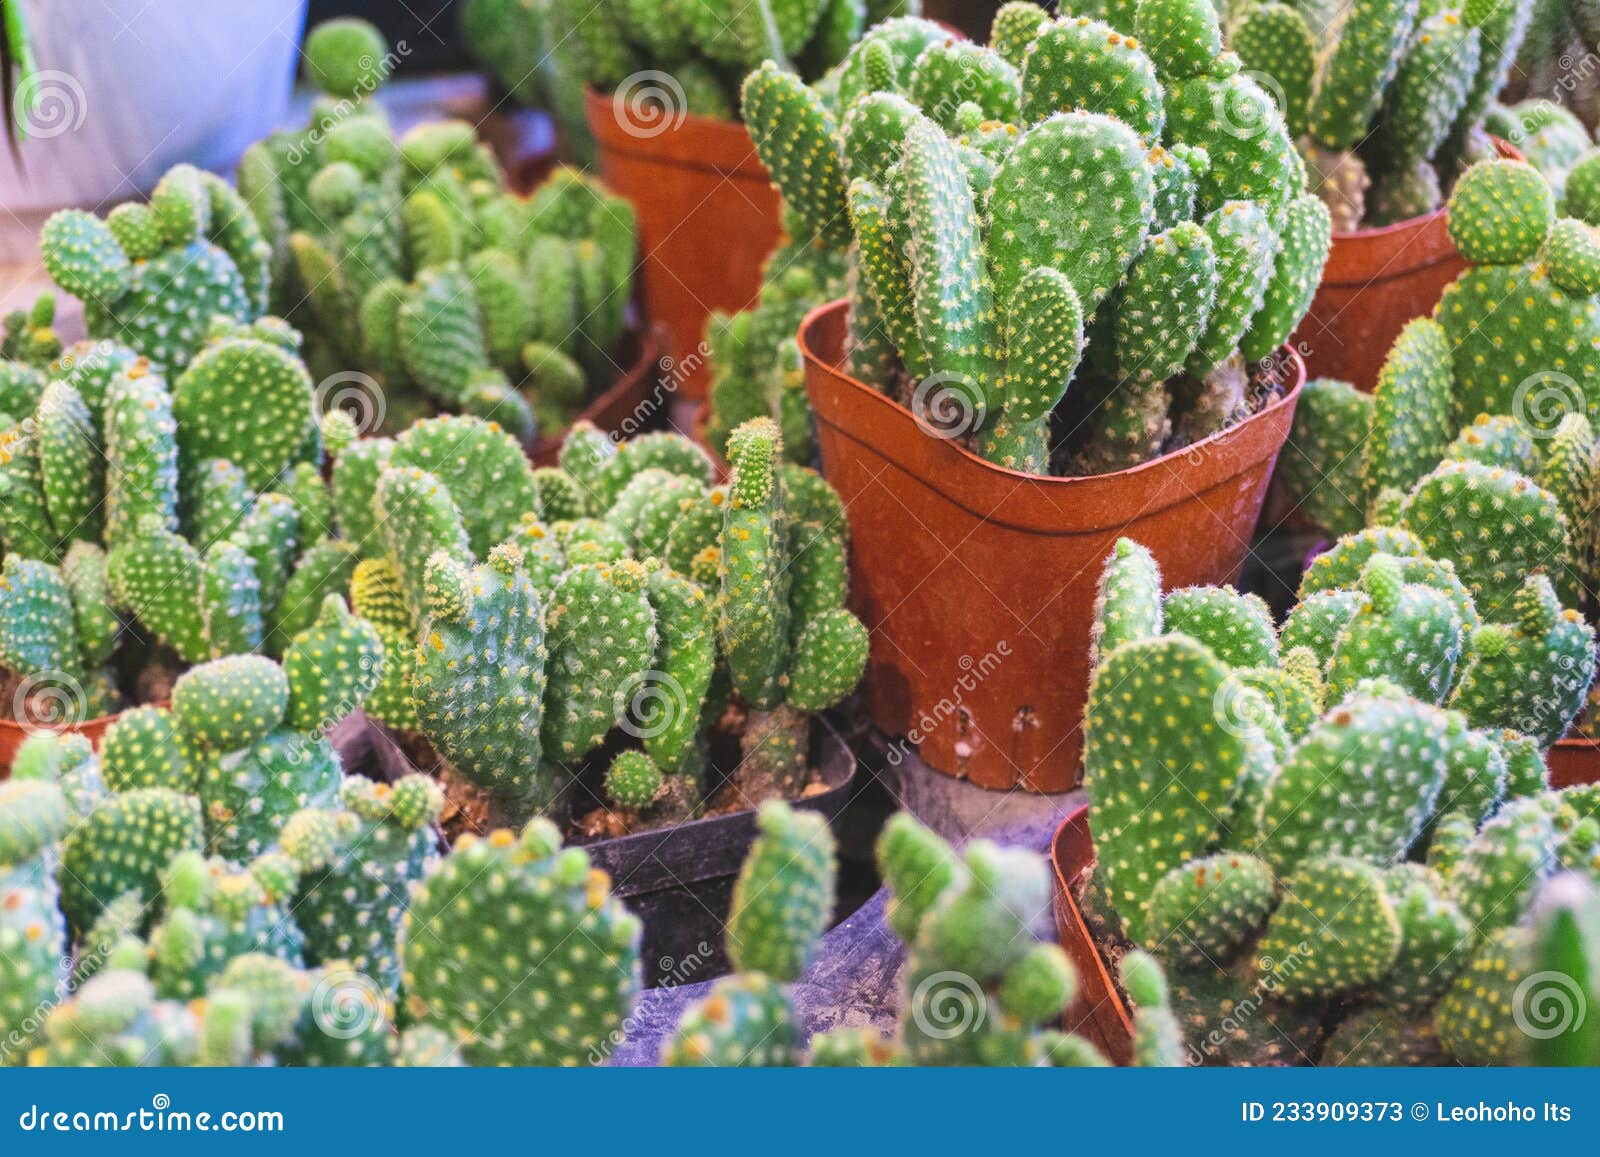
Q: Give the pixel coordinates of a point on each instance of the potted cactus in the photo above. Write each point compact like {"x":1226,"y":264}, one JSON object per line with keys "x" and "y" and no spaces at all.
{"x":153,"y":520}
{"x":1029,"y":363}
{"x":679,"y":637}
{"x":1388,"y":102}
{"x":423,"y":283}
{"x":1468,"y":414}
{"x":1334,"y":821}
{"x":659,"y":107}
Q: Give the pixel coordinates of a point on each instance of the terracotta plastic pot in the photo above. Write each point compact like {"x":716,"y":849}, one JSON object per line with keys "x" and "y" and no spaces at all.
{"x":708,"y":216}
{"x":1573,"y":761}
{"x":634,"y":403}
{"x":1098,"y":1013}
{"x":978,"y":583}
{"x":13,"y":735}
{"x":1375,"y":281}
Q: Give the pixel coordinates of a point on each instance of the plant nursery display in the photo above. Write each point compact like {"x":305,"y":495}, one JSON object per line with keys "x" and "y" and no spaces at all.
{"x":391,"y":678}
{"x":1478,"y":444}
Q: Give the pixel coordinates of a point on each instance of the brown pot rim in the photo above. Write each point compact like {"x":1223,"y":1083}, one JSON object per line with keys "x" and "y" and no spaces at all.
{"x":99,"y":721}
{"x":1066,"y":497}
{"x":1358,"y":247}
{"x":722,"y":147}
{"x":644,"y":344}
{"x":1098,"y":1011}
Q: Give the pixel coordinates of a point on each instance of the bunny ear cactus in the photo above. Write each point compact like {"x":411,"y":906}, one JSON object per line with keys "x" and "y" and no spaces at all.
{"x":978,"y":987}
{"x":123,"y":845}
{"x":1158,"y":766}
{"x":245,"y":400}
{"x":1500,"y":215}
{"x":356,"y":868}
{"x":516,"y":947}
{"x":212,"y":914}
{"x":33,"y":947}
{"x":1530,"y":674}
{"x":479,"y":683}
{"x":783,"y":898}
{"x":154,"y":277}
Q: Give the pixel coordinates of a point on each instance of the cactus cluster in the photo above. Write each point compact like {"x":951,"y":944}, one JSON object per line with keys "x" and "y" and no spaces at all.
{"x":1072,"y":201}
{"x":153,"y":276}
{"x":1388,"y":98}
{"x":1347,"y":828}
{"x":537,"y":612}
{"x":223,"y":894}
{"x":1478,"y":440}
{"x":410,"y":259}
{"x":155,"y":521}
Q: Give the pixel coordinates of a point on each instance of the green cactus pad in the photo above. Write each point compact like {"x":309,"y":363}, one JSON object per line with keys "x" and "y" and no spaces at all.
{"x":1158,"y":765}
{"x":122,"y":846}
{"x":783,"y":898}
{"x":548,"y":978}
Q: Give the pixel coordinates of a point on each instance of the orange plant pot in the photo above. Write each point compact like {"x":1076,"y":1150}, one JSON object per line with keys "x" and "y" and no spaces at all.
{"x":1571,"y":762}
{"x":978,"y":583}
{"x":1098,"y":1012}
{"x":708,"y":217}
{"x":1375,"y":281}
{"x":13,"y":735}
